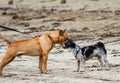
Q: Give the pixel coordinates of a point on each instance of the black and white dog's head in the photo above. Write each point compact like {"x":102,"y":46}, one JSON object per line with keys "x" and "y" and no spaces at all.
{"x":69,"y":44}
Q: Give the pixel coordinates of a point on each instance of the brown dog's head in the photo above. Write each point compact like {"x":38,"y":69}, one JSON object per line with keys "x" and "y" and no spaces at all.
{"x":59,"y":36}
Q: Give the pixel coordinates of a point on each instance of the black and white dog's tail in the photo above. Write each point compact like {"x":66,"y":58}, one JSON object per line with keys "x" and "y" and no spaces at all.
{"x":100,"y":45}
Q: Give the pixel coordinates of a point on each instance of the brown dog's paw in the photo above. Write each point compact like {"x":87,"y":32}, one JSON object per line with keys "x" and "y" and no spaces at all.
{"x":107,"y":69}
{"x":82,"y":70}
{"x":45,"y":72}
{"x":41,"y":71}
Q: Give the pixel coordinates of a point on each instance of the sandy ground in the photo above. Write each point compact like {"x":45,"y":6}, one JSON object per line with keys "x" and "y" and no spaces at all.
{"x":86,"y":21}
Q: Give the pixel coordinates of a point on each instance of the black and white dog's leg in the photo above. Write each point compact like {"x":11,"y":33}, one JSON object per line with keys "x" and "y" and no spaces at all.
{"x":78,"y":63}
{"x":82,"y":65}
{"x":101,"y":63}
{"x":104,"y":58}
{"x":78,"y":66}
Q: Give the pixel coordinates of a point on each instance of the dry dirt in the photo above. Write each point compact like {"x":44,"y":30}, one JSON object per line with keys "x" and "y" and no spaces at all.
{"x":86,"y":21}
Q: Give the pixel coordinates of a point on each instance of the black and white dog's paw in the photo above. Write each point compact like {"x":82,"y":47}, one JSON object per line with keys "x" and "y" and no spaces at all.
{"x":82,"y":70}
{"x":76,"y":71}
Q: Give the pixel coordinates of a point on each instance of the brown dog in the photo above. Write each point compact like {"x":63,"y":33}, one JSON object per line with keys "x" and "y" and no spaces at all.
{"x":40,"y":46}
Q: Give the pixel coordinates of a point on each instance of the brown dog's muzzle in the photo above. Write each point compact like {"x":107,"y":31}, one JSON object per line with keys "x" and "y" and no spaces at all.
{"x":62,"y":41}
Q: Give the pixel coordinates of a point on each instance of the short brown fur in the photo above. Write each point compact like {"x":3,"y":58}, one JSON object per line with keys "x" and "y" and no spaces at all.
{"x":30,"y":47}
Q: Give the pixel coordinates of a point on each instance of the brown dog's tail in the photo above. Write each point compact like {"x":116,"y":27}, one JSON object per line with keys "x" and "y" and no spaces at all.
{"x":2,"y":37}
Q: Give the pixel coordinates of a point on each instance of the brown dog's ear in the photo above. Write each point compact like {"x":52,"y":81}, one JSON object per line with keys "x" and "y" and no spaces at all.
{"x":61,"y":32}
{"x":64,"y":30}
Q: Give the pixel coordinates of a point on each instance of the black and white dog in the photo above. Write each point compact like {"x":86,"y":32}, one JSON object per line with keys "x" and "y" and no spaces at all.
{"x":85,"y":53}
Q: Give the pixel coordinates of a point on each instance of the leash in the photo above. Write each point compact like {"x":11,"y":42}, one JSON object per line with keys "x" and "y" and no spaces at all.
{"x":4,"y":27}
{"x":11,"y":29}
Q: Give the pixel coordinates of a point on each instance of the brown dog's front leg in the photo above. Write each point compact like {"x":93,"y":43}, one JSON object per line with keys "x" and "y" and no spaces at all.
{"x":45,"y":57}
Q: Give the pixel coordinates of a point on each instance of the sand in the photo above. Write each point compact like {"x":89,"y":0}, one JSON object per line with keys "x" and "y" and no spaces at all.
{"x":86,"y":21}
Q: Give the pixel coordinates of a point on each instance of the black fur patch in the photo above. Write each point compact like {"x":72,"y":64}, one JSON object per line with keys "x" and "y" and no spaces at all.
{"x":69,"y":43}
{"x":88,"y":52}
{"x":83,"y":50}
{"x":92,"y":47}
{"x":104,"y":50}
{"x":73,"y":45}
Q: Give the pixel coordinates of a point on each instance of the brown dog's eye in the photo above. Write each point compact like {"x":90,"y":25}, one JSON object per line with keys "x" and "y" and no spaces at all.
{"x":66,"y":39}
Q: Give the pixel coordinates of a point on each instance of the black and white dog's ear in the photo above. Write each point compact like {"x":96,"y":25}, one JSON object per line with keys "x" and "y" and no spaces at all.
{"x":70,"y":40}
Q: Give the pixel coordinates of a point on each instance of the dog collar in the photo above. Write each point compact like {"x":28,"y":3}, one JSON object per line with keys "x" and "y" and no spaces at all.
{"x":51,"y":38}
